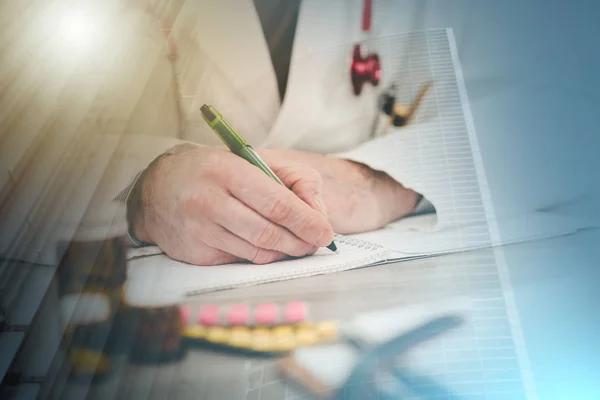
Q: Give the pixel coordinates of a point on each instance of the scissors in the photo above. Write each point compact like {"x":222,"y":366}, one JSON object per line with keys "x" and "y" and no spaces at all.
{"x":362,"y":385}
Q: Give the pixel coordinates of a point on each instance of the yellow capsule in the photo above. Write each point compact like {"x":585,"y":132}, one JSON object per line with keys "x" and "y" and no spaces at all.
{"x":284,"y":338}
{"x":195,"y":332}
{"x":86,"y":361}
{"x":306,"y":336}
{"x":217,"y":334}
{"x":240,"y":337}
{"x":283,"y":330}
{"x":327,"y":330}
{"x":261,"y":340}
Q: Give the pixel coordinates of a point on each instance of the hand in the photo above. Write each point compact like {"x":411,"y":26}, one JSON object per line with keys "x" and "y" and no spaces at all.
{"x":207,"y":206}
{"x":357,"y":198}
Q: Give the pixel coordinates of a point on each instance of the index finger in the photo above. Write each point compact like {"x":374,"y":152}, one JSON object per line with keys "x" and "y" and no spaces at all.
{"x":280,"y":205}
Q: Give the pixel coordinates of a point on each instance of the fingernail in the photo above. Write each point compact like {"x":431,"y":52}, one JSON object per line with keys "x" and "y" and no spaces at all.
{"x":319,"y":238}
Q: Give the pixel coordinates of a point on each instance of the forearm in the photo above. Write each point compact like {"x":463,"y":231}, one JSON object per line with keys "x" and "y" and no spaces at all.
{"x":397,"y":200}
{"x":357,"y":197}
{"x":404,"y":164}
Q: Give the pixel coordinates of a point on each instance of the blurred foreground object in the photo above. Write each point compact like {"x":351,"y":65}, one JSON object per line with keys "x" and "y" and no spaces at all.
{"x":396,"y":114}
{"x":90,"y":275}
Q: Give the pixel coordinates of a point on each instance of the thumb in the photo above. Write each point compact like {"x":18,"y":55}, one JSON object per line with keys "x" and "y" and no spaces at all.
{"x":304,"y":181}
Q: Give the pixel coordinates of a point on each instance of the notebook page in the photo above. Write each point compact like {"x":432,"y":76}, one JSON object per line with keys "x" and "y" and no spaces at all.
{"x":437,"y":154}
{"x":411,"y":237}
{"x":158,"y":279}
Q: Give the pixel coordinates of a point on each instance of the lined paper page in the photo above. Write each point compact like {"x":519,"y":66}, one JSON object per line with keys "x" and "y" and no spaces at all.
{"x":161,"y":280}
{"x":438,"y":156}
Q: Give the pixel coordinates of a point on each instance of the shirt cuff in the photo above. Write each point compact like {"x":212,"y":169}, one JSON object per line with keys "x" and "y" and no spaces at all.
{"x":123,"y":197}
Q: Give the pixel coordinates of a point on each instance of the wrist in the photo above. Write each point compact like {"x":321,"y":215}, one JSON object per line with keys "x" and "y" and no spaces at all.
{"x":136,"y":211}
{"x":139,"y":220}
{"x":140,"y":198}
{"x":394,"y":198}
{"x":406,"y":200}
{"x":138,"y":204}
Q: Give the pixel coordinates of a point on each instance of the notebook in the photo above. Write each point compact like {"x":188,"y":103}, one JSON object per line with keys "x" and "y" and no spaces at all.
{"x":154,"y":278}
{"x":438,"y":155}
{"x":157,"y":279}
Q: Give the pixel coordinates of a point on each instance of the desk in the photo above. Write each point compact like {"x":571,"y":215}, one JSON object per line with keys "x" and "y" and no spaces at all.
{"x":514,"y":114}
{"x":557,"y":340}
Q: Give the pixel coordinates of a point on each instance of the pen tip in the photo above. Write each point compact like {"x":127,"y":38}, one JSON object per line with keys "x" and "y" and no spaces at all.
{"x":332,"y":247}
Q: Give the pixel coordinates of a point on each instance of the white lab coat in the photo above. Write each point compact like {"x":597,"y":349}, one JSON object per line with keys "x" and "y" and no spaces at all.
{"x":223,"y":44}
{"x":223,"y":60}
{"x":319,"y":112}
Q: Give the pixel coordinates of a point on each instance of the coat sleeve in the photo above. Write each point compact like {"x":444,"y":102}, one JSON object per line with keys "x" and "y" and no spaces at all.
{"x":413,"y":157}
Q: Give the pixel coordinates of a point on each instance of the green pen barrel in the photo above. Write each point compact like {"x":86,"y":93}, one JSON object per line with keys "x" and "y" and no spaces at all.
{"x":253,"y":158}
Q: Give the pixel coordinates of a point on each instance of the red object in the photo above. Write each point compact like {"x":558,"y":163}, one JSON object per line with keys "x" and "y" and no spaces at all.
{"x":238,"y":314}
{"x":367,"y":69}
{"x":295,"y":312}
{"x":367,"y":12}
{"x":209,"y":315}
{"x":266,"y":314}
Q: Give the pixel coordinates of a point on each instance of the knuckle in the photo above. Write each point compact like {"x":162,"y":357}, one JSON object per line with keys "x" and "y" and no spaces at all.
{"x":192,"y":200}
{"x":207,"y":202}
{"x":262,"y":257}
{"x":314,"y":175}
{"x":210,"y":173}
{"x":279,"y":209}
{"x":310,"y":225}
{"x":268,"y":237}
{"x":216,"y":167}
{"x":301,"y":250}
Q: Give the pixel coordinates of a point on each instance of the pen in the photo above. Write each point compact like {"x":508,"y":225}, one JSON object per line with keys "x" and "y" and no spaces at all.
{"x":239,"y":146}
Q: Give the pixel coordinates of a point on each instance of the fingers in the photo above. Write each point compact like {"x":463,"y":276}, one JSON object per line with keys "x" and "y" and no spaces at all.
{"x":255,"y":230}
{"x":282,"y":206}
{"x":216,"y":208}
{"x":221,"y":239}
{"x":202,"y":255}
{"x":304,"y":181}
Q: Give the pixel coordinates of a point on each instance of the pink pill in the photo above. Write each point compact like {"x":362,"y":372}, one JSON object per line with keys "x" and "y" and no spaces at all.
{"x":266,"y":314}
{"x":238,"y":314}
{"x":295,"y":312}
{"x":185,"y":312}
{"x":209,"y":315}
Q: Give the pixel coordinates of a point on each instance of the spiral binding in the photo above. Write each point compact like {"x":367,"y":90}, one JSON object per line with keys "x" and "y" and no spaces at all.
{"x":359,"y":243}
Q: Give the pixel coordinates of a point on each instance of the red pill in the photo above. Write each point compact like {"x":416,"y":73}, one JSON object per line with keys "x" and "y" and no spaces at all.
{"x":238,"y":314}
{"x":209,"y":315}
{"x":295,"y":312}
{"x":266,"y":314}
